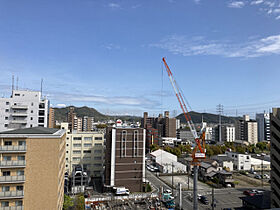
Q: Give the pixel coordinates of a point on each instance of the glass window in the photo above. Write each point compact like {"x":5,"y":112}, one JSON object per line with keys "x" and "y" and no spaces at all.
{"x":21,"y":157}
{"x":77,"y":145}
{"x":5,"y":188}
{"x":6,"y":125}
{"x":7,"y":103}
{"x":6,"y":173}
{"x":76,"y":158}
{"x":7,"y":158}
{"x":41,"y":112}
{"x":88,"y":138}
{"x":98,"y":151}
{"x":76,"y":151}
{"x":77,"y":138}
{"x":86,"y":158}
{"x":7,"y":110}
{"x":20,"y":188}
{"x":20,"y":172}
{"x":6,"y":118}
{"x":21,"y":143}
{"x":97,"y":138}
{"x":87,"y":145}
{"x":97,"y":158}
{"x":41,"y":120}
{"x":87,"y":151}
{"x":18,"y":203}
{"x":8,"y":143}
{"x":98,"y":144}
{"x":4,"y":203}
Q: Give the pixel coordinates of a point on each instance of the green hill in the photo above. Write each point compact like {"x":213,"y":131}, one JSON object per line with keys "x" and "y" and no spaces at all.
{"x":207,"y":117}
{"x":61,"y":114}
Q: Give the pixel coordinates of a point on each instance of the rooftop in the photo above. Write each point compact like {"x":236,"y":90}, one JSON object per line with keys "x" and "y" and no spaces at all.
{"x":34,"y":130}
{"x":221,"y":158}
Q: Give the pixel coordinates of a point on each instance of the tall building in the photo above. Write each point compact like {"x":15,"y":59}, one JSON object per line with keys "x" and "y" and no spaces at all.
{"x":51,"y":122}
{"x":70,"y":117}
{"x":125,"y":158}
{"x":227,"y":132}
{"x":275,"y":157}
{"x":88,"y":123}
{"x":23,"y":109}
{"x":85,"y":149}
{"x":263,"y":127}
{"x":246,"y":130}
{"x":32,"y":165}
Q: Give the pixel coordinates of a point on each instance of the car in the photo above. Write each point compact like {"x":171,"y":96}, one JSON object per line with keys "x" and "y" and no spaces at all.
{"x":167,"y":191}
{"x":257,"y":191}
{"x":228,"y":185}
{"x":266,"y":176}
{"x":203,"y":199}
{"x":258,"y":176}
{"x":249,"y":193}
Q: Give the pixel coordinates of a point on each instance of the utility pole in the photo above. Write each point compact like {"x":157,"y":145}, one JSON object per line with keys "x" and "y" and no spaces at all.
{"x":180,"y":196}
{"x":172,"y":178}
{"x":220,"y":109}
{"x":195,"y":188}
{"x":188,"y":175}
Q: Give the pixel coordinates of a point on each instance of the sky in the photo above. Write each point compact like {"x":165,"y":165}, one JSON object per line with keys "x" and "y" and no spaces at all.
{"x":108,"y":54}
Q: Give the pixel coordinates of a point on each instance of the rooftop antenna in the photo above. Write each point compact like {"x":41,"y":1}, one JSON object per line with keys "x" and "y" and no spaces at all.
{"x":41,"y":87}
{"x":17,"y":83}
{"x":13,"y":82}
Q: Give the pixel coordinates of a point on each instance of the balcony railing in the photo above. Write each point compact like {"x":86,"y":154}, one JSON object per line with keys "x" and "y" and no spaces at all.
{"x":11,"y":179}
{"x":19,"y":114}
{"x":19,"y":107}
{"x":12,"y":163}
{"x":12,"y":208}
{"x":10,"y":148}
{"x":11,"y":194}
{"x":19,"y":121}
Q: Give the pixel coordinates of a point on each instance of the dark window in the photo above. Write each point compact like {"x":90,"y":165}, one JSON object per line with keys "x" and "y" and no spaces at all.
{"x":7,"y":110}
{"x":7,"y":103}
{"x":17,"y":94}
{"x":98,"y":138}
{"x":4,"y":203}
{"x":41,"y":112}
{"x":77,"y":138}
{"x":41,"y":106}
{"x":41,"y":120}
{"x":20,"y":188}
{"x":8,"y":143}
{"x":6,"y":118}
{"x":31,"y":111}
{"x":6,"y":173}
{"x":87,"y":151}
{"x":6,"y":125}
{"x":31,"y":118}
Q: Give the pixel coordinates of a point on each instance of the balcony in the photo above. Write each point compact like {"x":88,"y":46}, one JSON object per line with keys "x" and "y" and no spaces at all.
{"x":12,"y":208}
{"x":12,"y":179}
{"x":12,"y":163}
{"x":12,"y":149}
{"x":11,"y":194}
{"x":19,"y":114}
{"x":19,"y":107}
{"x":19,"y":122}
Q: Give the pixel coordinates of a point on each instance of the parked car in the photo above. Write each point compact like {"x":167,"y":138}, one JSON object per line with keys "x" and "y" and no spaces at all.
{"x":258,"y":176}
{"x":266,"y":176}
{"x":257,"y":191}
{"x":203,"y":199}
{"x":249,"y":193}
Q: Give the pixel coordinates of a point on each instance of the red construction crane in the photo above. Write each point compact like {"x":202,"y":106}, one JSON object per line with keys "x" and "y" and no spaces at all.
{"x":200,"y":140}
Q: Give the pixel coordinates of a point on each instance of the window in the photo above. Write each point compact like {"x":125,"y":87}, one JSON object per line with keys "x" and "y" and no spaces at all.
{"x":6,"y":173}
{"x":8,"y":143}
{"x":5,"y":188}
{"x":32,"y":104}
{"x":4,"y":203}
{"x":97,"y":151}
{"x":7,"y":103}
{"x":66,"y":165}
{"x":7,"y":158}
{"x":21,"y":143}
{"x":17,"y":94}
{"x":123,"y":144}
{"x":76,"y":158}
{"x":87,"y":145}
{"x":20,"y":172}
{"x":41,"y":120}
{"x":97,"y":158}
{"x":6,"y":118}
{"x":86,"y":158}
{"x":20,"y":188}
{"x":66,"y":158}
{"x":18,"y":203}
{"x":41,"y":112}
{"x":97,"y":138}
{"x":87,"y":151}
{"x":31,"y":118}
{"x":88,"y":138}
{"x":6,"y":125}
{"x":77,"y":145}
{"x":98,"y":144}
{"x":31,"y":111}
{"x":41,"y":106}
{"x":21,"y":157}
{"x":31,"y":125}
{"x":97,"y":165}
{"x":77,"y":152}
{"x":7,"y":110}
{"x":77,"y":138}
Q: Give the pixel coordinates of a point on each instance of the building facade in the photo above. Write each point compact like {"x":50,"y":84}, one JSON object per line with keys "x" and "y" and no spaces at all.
{"x":246,"y":130}
{"x":51,"y":120}
{"x":32,"y":168}
{"x":263,"y":127}
{"x":125,"y":158}
{"x":240,"y":161}
{"x":85,"y":149}
{"x":24,"y":109}
{"x":275,"y":157}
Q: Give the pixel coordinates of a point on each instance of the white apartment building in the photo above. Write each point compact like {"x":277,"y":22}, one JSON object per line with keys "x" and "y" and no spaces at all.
{"x":240,"y":161}
{"x":230,"y":134}
{"x":86,"y":149}
{"x":263,"y":127}
{"x":252,"y":131}
{"x":24,"y":109}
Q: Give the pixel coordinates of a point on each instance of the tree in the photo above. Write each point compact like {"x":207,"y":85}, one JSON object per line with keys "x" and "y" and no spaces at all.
{"x":262,"y":145}
{"x":154,"y":147}
{"x":68,"y":202}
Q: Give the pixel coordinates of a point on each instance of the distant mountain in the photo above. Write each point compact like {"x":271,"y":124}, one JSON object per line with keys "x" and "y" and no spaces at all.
{"x":207,"y":117}
{"x":61,"y":114}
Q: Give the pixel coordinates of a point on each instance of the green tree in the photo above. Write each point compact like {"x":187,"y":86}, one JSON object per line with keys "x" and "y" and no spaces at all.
{"x":262,"y":145}
{"x":188,"y":148}
{"x":68,"y":202}
{"x":240,"y":149}
{"x":154,"y":147}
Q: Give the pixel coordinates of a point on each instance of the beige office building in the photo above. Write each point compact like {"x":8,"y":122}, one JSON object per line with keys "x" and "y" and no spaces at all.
{"x":85,"y":149}
{"x":32,"y":165}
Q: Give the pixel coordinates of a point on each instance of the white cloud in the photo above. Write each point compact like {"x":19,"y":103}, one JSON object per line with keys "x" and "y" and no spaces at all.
{"x":197,"y":1}
{"x":61,"y":105}
{"x":257,"y":2}
{"x":193,"y":46}
{"x":111,"y":46}
{"x":114,"y":5}
{"x":236,"y":4}
{"x":278,"y":17}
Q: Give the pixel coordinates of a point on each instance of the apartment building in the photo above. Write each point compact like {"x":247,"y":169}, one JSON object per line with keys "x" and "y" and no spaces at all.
{"x":240,"y":161}
{"x":227,"y":132}
{"x":263,"y":126}
{"x":51,"y":122}
{"x":125,"y":158}
{"x":32,"y":165}
{"x":275,"y":157}
{"x":85,"y":149}
{"x":247,"y":130}
{"x":24,"y":109}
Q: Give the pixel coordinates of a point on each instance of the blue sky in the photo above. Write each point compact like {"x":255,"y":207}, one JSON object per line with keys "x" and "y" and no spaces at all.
{"x":107,"y":54}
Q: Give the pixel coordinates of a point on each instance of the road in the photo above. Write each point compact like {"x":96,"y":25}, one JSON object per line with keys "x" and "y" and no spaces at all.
{"x":226,"y":198}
